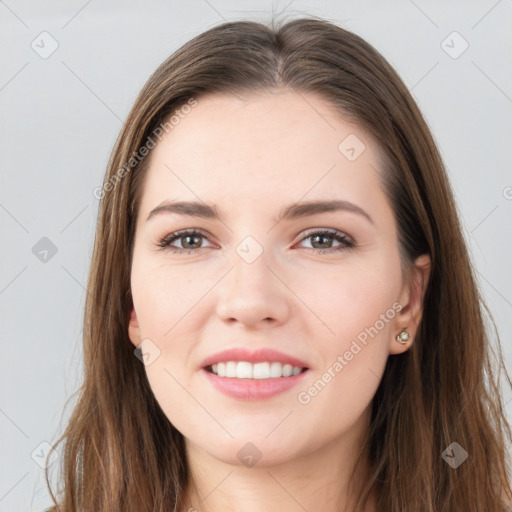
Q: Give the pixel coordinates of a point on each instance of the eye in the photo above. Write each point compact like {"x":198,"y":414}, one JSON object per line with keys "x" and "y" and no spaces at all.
{"x":189,"y":239}
{"x":321,"y":238}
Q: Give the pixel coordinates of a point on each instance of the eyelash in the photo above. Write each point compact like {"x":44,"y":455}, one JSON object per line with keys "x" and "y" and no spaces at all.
{"x":165,"y":243}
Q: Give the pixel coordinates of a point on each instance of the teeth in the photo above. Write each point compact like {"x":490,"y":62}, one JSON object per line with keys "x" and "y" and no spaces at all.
{"x":261,"y":371}
{"x":245,"y":370}
{"x":230,"y":369}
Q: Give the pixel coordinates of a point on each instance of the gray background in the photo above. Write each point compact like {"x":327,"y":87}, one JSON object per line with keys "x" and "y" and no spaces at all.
{"x":61,"y":115}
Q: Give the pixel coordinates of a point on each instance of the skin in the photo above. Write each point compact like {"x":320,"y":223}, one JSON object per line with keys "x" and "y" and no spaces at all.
{"x":251,"y":157}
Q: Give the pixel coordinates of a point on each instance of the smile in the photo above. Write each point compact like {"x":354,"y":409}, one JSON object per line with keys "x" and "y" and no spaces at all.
{"x":250,"y":387}
{"x":247,"y":370}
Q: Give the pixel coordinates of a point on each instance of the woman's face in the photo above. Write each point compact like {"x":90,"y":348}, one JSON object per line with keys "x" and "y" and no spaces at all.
{"x":249,"y":280}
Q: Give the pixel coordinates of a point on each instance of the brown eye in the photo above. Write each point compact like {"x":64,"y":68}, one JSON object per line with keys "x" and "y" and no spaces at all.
{"x":322,"y":241}
{"x":190,"y":240}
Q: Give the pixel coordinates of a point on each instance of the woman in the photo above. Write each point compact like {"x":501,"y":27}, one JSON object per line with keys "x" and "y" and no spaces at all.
{"x":282,"y":313}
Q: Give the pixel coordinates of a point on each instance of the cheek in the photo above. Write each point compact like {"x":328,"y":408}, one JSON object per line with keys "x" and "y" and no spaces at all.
{"x":168,"y":301}
{"x":343,"y":386}
{"x":347,"y":299}
{"x":165,"y":299}
{"x":163,"y":295}
{"x":358,"y":311}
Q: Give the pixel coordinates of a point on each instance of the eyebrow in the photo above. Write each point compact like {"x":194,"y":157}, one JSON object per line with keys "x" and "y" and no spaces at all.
{"x":293,"y":211}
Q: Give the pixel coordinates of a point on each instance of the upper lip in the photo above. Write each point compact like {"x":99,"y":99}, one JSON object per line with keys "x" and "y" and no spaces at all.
{"x":259,"y":355}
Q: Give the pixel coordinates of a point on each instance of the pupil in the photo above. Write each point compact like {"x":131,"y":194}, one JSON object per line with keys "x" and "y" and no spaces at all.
{"x":315,"y":238}
{"x":189,"y":237}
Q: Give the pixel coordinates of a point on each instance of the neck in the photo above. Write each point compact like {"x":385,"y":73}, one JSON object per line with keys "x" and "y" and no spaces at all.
{"x":317,"y":480}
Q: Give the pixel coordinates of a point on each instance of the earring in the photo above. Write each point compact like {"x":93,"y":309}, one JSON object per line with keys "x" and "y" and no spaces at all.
{"x":403,"y":337}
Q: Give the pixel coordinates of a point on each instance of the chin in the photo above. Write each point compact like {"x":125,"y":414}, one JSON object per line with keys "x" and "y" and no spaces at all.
{"x":250,"y":447}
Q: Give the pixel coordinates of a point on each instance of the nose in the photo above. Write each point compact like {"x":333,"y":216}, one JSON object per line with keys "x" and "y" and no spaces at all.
{"x":252,"y":294}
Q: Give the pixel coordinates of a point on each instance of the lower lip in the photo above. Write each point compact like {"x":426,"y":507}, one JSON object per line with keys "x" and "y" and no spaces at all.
{"x":253,"y":389}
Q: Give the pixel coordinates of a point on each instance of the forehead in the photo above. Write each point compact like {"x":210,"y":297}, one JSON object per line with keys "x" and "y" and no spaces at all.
{"x":261,"y":147}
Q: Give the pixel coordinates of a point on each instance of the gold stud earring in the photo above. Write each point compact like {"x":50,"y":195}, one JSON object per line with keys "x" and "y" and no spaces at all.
{"x":403,"y":337}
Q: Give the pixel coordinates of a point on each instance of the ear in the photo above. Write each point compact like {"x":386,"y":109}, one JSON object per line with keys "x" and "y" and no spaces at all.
{"x":134,"y":329}
{"x":411,"y":299}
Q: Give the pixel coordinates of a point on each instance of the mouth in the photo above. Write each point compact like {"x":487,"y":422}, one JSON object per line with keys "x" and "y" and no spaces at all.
{"x":258,"y":371}
{"x":255,"y":374}
{"x":242,"y":380}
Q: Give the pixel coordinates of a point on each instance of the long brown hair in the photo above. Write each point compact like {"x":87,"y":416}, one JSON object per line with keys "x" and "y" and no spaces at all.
{"x":122,"y":453}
